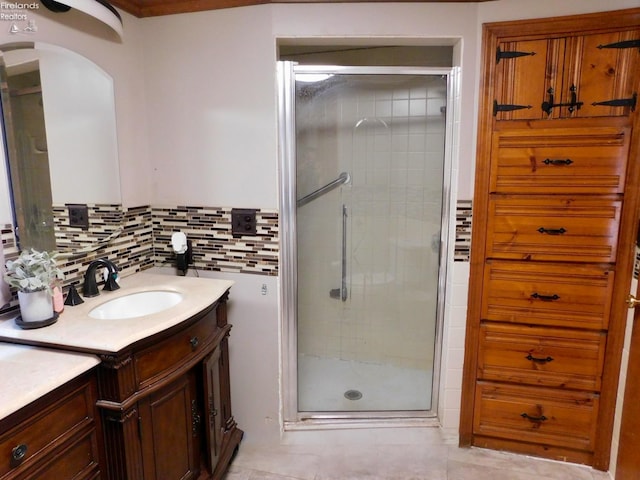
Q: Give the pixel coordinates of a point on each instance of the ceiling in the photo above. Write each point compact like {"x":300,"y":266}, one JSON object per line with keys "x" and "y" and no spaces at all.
{"x":152,"y":8}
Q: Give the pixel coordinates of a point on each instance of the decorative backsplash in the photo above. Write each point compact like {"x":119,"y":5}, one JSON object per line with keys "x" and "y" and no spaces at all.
{"x":214,"y":247}
{"x":131,"y":249}
{"x":105,"y":222}
{"x":462,"y":247}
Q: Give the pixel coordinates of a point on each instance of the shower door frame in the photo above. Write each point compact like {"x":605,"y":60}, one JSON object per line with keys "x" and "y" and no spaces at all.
{"x":292,"y":418}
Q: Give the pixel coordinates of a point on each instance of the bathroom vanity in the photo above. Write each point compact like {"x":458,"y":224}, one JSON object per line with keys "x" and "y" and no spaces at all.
{"x":163,"y":392}
{"x":48,"y":412}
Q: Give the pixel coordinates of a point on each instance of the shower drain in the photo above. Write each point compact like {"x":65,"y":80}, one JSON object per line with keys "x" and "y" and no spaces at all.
{"x":353,"y":395}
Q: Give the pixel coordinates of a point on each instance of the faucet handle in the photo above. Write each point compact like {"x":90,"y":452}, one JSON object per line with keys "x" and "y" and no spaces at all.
{"x":111,"y":281}
{"x":73,"y":297}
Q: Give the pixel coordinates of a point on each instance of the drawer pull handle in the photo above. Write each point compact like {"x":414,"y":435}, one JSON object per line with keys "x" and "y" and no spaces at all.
{"x":545,"y":298}
{"x":539,"y":419}
{"x":18,"y":453}
{"x":539,"y":360}
{"x":552,"y":231}
{"x":194,"y":342}
{"x":558,"y":161}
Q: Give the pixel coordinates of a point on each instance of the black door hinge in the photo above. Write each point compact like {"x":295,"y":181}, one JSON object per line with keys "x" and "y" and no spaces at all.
{"x":622,"y":44}
{"x":506,"y":107}
{"x":619,"y":102}
{"x":500,"y":54}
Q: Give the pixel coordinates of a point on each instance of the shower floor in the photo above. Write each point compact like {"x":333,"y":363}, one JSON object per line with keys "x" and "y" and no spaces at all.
{"x":322,"y":383}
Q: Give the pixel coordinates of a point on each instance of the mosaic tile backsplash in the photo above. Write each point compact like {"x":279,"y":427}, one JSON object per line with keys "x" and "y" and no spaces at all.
{"x":214,"y":246}
{"x":139,"y":238}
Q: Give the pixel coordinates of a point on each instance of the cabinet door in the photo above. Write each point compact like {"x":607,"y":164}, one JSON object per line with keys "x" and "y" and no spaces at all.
{"x":170,"y":425}
{"x":600,"y":67}
{"x":525,"y":71}
{"x":213,"y":411}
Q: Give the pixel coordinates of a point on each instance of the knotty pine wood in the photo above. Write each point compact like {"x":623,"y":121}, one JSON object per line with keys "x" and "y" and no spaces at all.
{"x":559,"y":27}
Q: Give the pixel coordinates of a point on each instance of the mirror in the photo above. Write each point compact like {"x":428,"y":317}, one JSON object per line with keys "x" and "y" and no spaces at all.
{"x":58,"y":114}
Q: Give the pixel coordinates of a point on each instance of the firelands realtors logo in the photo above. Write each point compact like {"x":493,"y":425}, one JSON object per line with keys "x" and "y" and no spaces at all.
{"x":17,"y":14}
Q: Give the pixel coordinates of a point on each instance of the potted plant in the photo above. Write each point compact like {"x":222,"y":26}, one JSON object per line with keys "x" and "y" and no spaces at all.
{"x":34,"y":275}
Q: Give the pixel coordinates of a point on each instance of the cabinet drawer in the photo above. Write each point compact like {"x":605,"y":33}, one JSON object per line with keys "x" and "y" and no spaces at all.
{"x":553,"y":228}
{"x":166,"y":355}
{"x":563,"y":295}
{"x":560,"y":161}
{"x":78,"y":461}
{"x":41,"y":433}
{"x":549,"y":357}
{"x":546,"y":416}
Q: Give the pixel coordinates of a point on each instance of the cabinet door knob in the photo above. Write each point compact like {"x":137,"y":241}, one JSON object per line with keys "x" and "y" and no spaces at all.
{"x":632,"y":301}
{"x":18,"y":453}
{"x":194,"y":342}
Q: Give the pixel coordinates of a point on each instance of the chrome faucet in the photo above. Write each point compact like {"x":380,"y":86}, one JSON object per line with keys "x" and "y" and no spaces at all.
{"x":90,"y":286}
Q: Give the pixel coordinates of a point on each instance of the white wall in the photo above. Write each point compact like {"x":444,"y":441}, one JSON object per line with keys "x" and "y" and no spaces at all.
{"x":210,"y":83}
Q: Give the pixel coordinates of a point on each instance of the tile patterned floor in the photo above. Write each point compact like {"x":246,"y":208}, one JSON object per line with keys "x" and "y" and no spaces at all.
{"x":382,"y":454}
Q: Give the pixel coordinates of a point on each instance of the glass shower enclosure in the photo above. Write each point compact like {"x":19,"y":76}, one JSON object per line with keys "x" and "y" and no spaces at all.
{"x":364,"y":226}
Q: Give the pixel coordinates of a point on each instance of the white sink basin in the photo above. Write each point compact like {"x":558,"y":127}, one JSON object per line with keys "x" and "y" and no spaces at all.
{"x":136,"y":305}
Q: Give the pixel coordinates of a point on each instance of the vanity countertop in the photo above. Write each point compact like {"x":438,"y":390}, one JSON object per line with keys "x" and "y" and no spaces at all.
{"x":27,"y":373}
{"x":75,"y":330}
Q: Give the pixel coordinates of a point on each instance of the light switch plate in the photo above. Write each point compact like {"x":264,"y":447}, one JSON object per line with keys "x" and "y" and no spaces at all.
{"x":78,"y":216}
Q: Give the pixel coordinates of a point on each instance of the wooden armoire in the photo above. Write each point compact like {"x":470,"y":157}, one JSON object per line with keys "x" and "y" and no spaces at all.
{"x":555,"y":222}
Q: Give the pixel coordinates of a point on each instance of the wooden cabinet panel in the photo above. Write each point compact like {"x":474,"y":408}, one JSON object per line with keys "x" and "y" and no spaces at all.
{"x":78,"y":462}
{"x":571,"y":161}
{"x":554,"y":294}
{"x":553,"y":228}
{"x":159,"y":359}
{"x":600,"y":74}
{"x":564,"y":77}
{"x":55,"y":422}
{"x":525,"y":70}
{"x":54,"y":437}
{"x":549,"y":357}
{"x":170,"y":425}
{"x":214,"y":415}
{"x":548,"y":416}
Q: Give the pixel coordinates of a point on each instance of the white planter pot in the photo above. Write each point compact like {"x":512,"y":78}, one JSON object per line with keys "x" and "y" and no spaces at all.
{"x":35,"y":306}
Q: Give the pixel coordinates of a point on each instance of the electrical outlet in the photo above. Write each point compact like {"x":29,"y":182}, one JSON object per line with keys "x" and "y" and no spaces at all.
{"x":78,"y":216}
{"x":243,"y":221}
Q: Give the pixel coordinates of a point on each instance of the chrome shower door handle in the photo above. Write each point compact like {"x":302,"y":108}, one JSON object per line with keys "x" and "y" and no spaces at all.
{"x":342,"y":293}
{"x":343,"y":285}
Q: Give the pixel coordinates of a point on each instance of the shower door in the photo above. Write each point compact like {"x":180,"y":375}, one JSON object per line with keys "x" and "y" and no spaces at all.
{"x":363,"y":190}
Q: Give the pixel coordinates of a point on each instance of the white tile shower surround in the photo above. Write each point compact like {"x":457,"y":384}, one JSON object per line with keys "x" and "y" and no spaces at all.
{"x":391,"y":454}
{"x":383,"y":387}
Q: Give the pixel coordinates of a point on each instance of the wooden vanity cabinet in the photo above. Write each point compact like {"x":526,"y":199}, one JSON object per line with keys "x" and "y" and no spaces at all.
{"x":555,"y":220}
{"x":165,"y":403}
{"x":54,"y":437}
